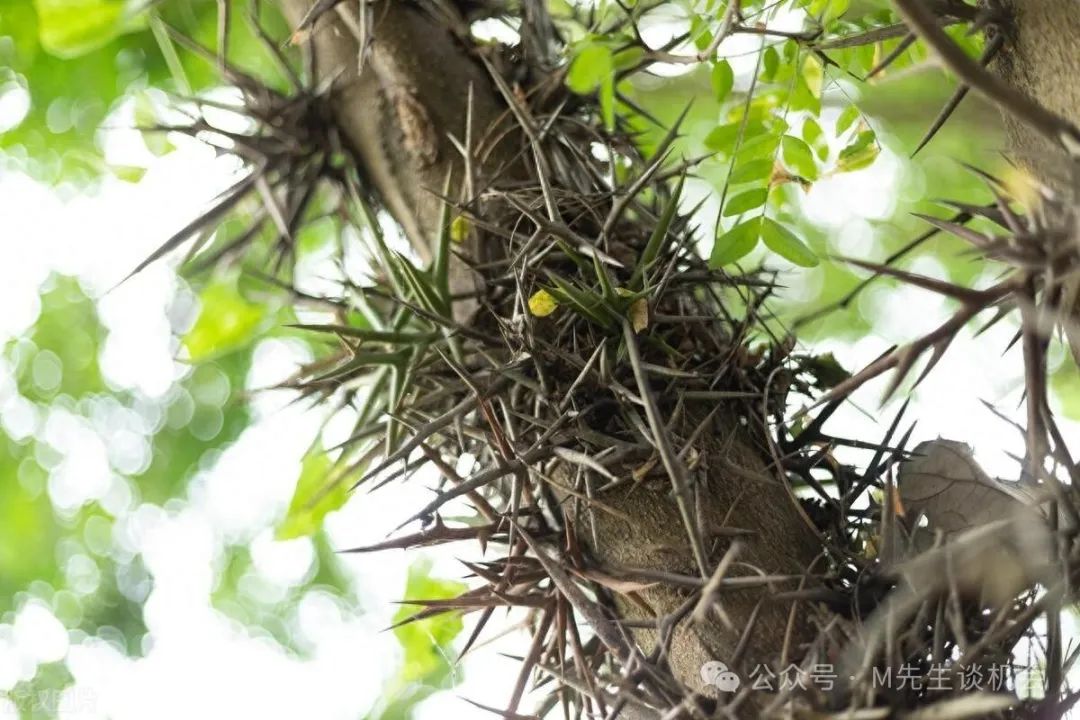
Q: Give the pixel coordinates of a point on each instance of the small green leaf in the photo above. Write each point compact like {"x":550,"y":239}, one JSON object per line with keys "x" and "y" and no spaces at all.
{"x":815,"y":138}
{"x":834,"y":10}
{"x":723,"y":80}
{"x":784,"y":243}
{"x":846,"y":119}
{"x":799,"y":157}
{"x":316,"y":494}
{"x":791,"y":50}
{"x":752,"y":171}
{"x":813,"y":73}
{"x":128,"y":173}
{"x":804,"y":98}
{"x":763,"y":145}
{"x":746,"y":201}
{"x":861,"y":152}
{"x":771,"y":62}
{"x":735,"y":243}
{"x":701,"y":33}
{"x":722,"y":137}
{"x":593,"y":64}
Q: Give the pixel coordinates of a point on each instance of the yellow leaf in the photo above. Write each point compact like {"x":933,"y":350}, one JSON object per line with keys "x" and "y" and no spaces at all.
{"x":639,"y":315}
{"x":459,"y":228}
{"x":542,"y":303}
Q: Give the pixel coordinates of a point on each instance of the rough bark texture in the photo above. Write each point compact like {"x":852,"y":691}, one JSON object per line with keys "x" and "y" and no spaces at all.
{"x":1041,"y":58}
{"x":400,"y":112}
{"x":398,"y":115}
{"x":736,"y":493}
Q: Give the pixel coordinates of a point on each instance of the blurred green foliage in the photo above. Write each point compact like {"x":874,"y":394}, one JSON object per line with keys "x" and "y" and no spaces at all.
{"x":78,"y":59}
{"x":70,"y":558}
{"x":429,"y":663}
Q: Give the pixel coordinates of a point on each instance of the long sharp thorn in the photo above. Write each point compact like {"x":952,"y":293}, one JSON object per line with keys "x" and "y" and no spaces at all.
{"x":889,"y":59}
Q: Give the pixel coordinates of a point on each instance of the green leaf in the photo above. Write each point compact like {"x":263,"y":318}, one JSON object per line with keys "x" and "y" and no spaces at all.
{"x":735,"y":243}
{"x":746,"y":201}
{"x":128,"y":173}
{"x":804,"y":98}
{"x":846,"y":119}
{"x":799,"y":157}
{"x":701,"y":33}
{"x":723,"y":80}
{"x":815,"y":138}
{"x":316,"y":494}
{"x":722,"y":138}
{"x":813,"y":73}
{"x":834,"y":10}
{"x":860,"y":153}
{"x":68,"y":28}
{"x":226,"y":321}
{"x":752,"y":171}
{"x":426,"y":643}
{"x":762,"y":145}
{"x":771,"y":62}
{"x":592,"y":66}
{"x":784,"y":243}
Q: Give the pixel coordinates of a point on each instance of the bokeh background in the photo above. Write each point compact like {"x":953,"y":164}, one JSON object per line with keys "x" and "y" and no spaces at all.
{"x":150,"y":564}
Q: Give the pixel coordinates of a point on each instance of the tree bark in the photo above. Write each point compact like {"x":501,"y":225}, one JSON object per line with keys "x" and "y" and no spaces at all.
{"x":1040,"y":58}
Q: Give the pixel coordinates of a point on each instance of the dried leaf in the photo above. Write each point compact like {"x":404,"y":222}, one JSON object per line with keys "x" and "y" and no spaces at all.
{"x":944,"y":483}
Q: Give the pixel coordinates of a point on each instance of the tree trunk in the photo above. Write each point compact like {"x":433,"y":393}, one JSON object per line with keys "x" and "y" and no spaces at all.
{"x":1040,"y":57}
